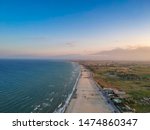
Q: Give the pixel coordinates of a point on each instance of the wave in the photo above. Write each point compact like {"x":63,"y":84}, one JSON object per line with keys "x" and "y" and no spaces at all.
{"x":64,"y":107}
{"x":23,"y":90}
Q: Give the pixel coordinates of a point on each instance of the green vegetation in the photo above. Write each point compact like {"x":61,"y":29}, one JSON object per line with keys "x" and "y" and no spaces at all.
{"x":133,"y":78}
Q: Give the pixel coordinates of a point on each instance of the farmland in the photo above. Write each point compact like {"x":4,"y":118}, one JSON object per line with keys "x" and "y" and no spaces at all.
{"x":130,"y":77}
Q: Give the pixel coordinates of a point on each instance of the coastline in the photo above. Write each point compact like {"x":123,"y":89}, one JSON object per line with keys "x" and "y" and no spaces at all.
{"x":65,"y":106}
{"x":86,"y":97}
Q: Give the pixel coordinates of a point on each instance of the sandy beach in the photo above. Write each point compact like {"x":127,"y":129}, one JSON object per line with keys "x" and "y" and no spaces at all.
{"x":87,"y":98}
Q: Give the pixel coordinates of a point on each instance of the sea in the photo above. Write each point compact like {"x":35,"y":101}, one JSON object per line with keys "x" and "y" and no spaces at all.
{"x":36,"y":86}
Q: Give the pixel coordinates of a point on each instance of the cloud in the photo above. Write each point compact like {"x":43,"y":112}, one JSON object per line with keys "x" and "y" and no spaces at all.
{"x":70,"y":44}
{"x":139,"y":54}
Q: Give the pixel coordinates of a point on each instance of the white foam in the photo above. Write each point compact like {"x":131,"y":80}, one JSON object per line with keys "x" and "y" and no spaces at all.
{"x":63,"y":108}
{"x":59,"y":105}
{"x":51,"y":99}
{"x":45,"y":104}
{"x":37,"y":107}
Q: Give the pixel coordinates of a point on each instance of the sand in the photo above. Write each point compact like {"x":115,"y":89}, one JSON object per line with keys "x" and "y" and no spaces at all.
{"x":87,"y":98}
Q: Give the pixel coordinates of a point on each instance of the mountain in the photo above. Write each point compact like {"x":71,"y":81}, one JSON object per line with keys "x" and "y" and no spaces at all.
{"x":138,"y":54}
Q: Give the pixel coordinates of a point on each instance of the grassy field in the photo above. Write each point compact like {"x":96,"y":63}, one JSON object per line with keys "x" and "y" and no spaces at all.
{"x":131,"y":77}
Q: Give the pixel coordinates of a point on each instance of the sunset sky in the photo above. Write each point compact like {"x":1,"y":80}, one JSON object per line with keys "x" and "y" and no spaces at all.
{"x":47,"y":28}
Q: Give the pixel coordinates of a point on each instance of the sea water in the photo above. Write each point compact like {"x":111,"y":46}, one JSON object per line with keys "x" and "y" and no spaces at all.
{"x":36,"y":85}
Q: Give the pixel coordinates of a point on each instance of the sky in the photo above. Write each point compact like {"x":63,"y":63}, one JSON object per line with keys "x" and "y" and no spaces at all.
{"x":56,"y":28}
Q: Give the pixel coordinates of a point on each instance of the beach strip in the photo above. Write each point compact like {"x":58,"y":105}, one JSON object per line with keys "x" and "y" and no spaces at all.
{"x":86,"y":97}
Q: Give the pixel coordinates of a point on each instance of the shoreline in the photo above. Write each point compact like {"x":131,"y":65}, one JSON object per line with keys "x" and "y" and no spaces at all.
{"x":86,"y":97}
{"x":64,"y":107}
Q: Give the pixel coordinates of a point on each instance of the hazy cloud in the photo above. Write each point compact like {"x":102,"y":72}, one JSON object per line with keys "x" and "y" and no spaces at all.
{"x":70,"y":44}
{"x":140,"y":53}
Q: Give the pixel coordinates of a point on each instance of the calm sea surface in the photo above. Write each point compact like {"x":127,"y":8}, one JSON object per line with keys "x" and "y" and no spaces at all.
{"x":35,"y":85}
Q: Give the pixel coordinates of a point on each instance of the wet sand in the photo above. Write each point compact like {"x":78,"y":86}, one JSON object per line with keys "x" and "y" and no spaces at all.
{"x":87,"y":98}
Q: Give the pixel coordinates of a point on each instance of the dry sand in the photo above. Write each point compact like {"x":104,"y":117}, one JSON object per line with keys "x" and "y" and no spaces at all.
{"x":87,"y":98}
